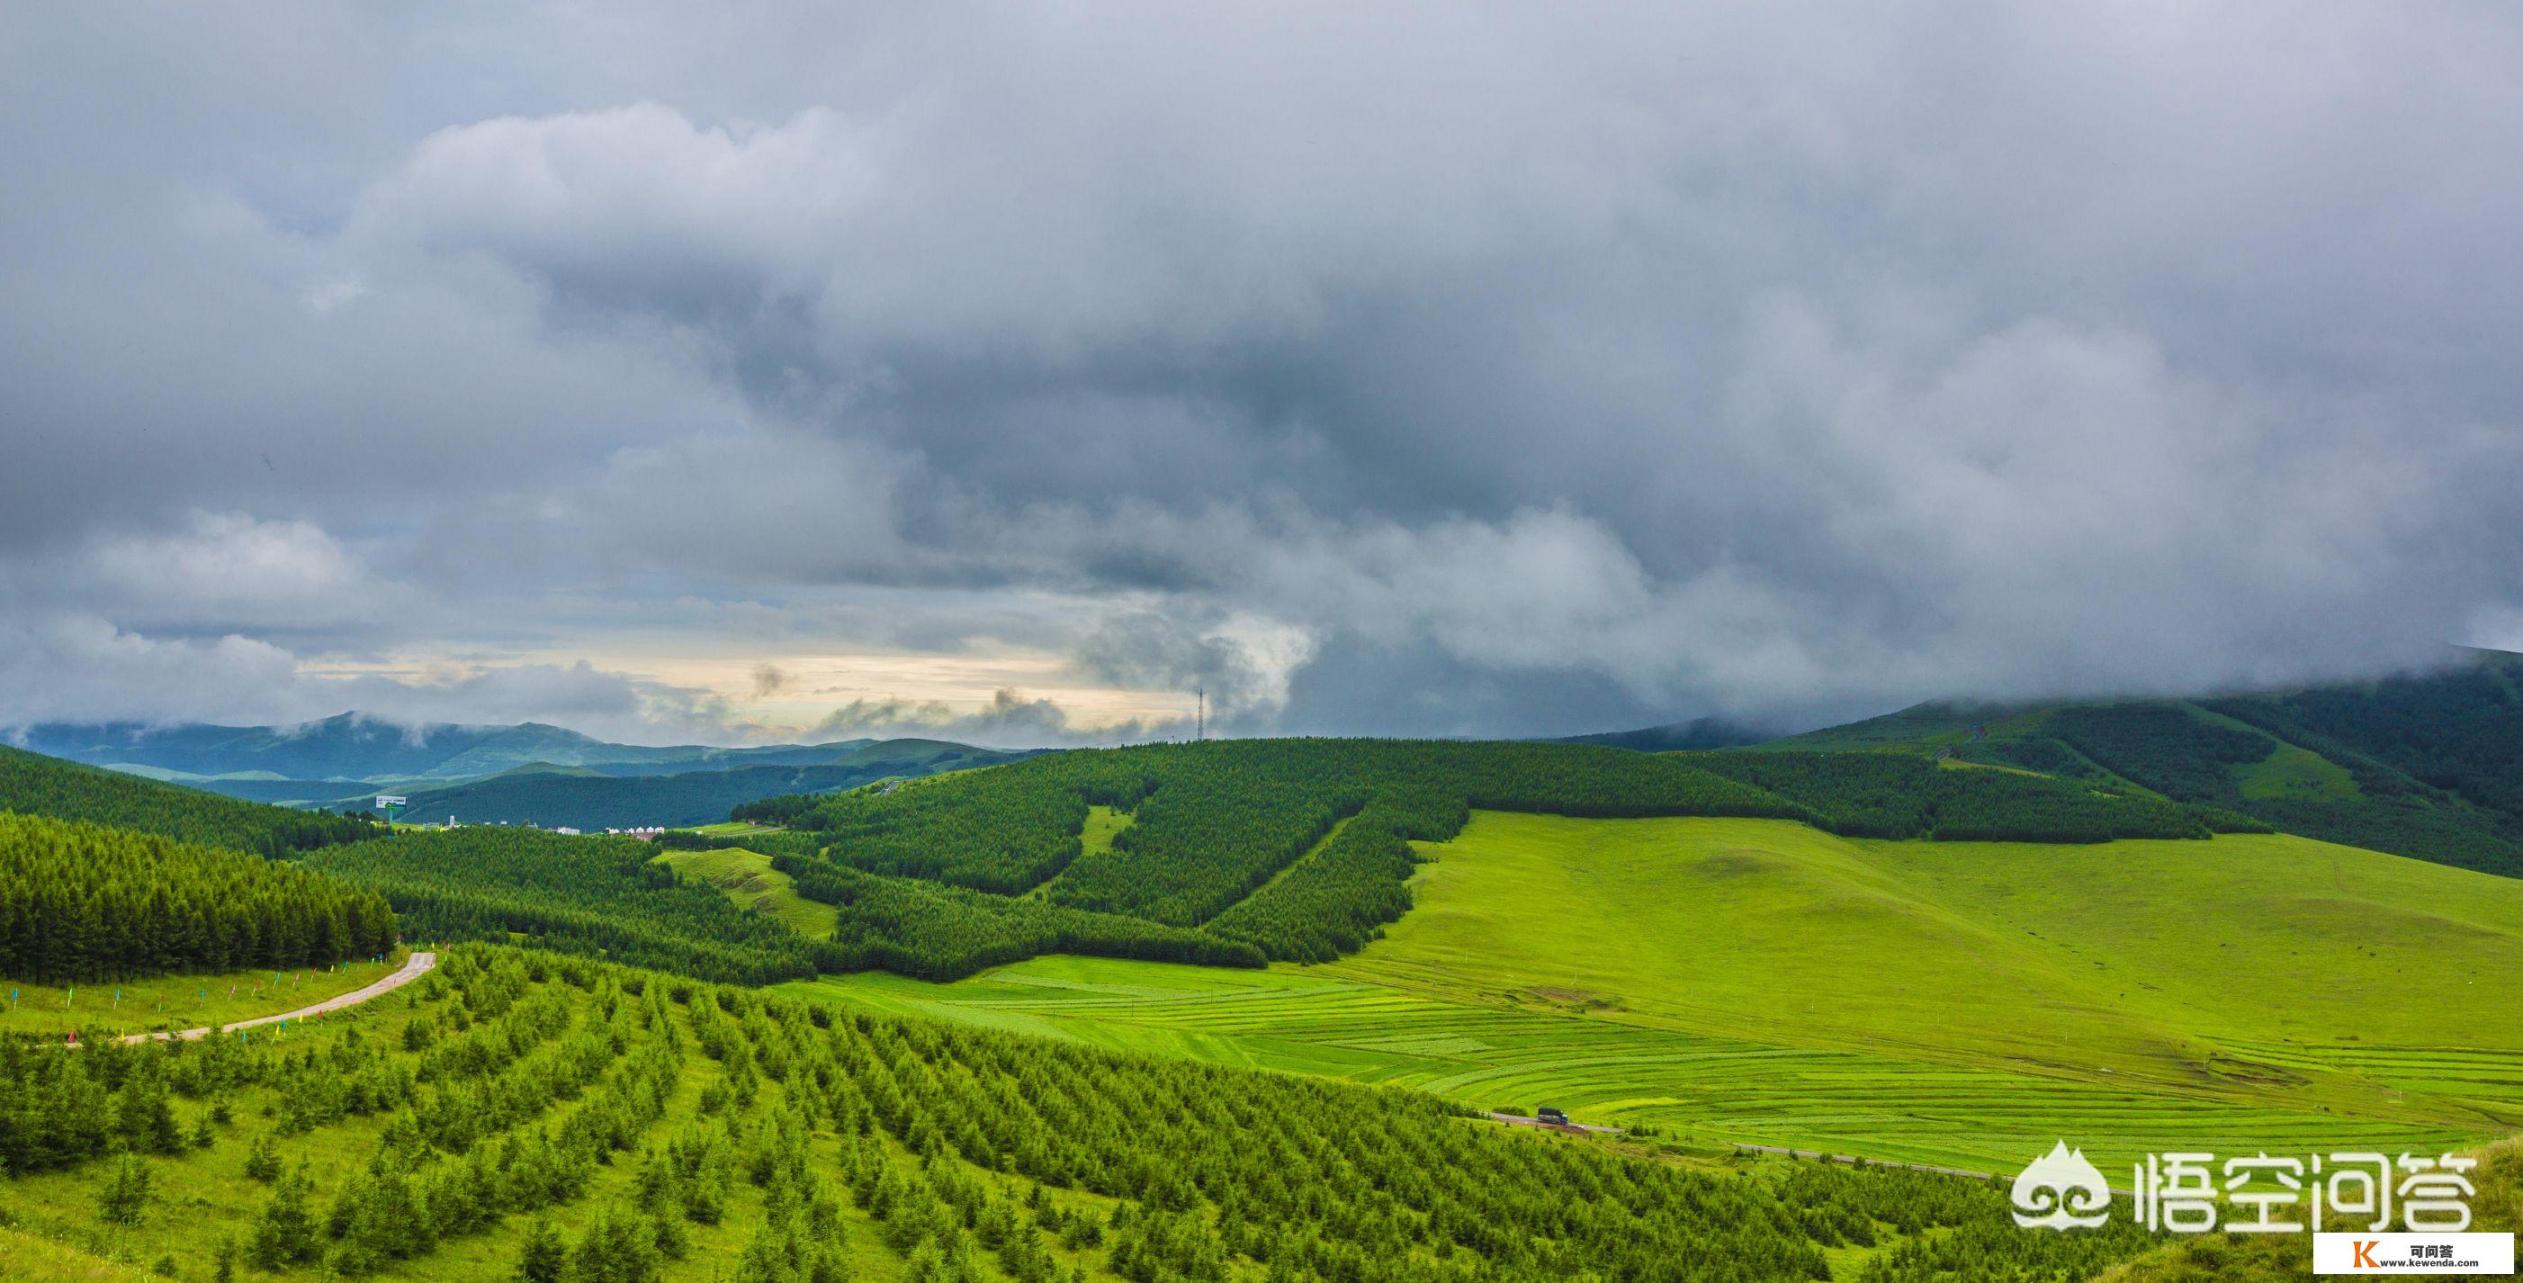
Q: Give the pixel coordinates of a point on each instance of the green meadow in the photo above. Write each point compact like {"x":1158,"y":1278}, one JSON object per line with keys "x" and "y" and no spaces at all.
{"x":25,"y":1258}
{"x":736,"y":829}
{"x":1095,"y":839}
{"x":748,"y":878}
{"x":1754,"y":981}
{"x":176,"y":1002}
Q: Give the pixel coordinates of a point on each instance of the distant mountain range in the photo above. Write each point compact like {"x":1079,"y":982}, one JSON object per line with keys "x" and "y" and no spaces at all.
{"x":2425,"y":765}
{"x":365,"y":750}
{"x":584,"y":798}
{"x":526,"y":773}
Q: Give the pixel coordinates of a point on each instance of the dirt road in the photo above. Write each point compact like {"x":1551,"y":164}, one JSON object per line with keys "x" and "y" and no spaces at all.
{"x":1520,"y":1120}
{"x":1870,"y":1162}
{"x":414,"y":968}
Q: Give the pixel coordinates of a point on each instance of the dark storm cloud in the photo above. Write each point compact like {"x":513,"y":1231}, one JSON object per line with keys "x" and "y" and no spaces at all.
{"x":1453,"y":369}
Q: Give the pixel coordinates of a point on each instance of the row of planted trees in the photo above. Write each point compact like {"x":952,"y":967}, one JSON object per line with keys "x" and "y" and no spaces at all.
{"x":80,"y":902}
{"x":511,"y":1085}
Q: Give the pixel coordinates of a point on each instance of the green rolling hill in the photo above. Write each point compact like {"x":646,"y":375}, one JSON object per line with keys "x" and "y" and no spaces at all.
{"x":2429,"y":766}
{"x":1965,"y":1003}
{"x":33,"y":784}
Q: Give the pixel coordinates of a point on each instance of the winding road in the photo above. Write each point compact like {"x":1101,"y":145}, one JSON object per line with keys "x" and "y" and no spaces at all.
{"x":413,"y":969}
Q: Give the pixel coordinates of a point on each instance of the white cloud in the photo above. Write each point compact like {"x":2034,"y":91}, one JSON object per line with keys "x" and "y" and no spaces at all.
{"x":1680,"y":355}
{"x":81,"y":668}
{"x":229,"y":568}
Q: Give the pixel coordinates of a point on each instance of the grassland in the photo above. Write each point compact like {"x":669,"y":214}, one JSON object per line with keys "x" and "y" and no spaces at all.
{"x":1095,"y":838}
{"x":736,"y":829}
{"x":176,"y":1002}
{"x":1958,"y":1003}
{"x":748,"y":878}
{"x":25,"y":1258}
{"x":1103,"y":823}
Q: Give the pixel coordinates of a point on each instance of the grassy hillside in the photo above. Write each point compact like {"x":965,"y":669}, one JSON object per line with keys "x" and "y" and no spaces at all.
{"x":2425,"y":766}
{"x":185,"y":1001}
{"x":1300,"y":848}
{"x":597,"y":896}
{"x":747,"y":878}
{"x":32,"y":784}
{"x":513,"y":1111}
{"x":25,"y":1258}
{"x":1960,"y":1003}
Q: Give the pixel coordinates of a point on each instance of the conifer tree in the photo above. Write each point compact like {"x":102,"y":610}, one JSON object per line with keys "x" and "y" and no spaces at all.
{"x":126,"y":1192}
{"x":545,"y":1258}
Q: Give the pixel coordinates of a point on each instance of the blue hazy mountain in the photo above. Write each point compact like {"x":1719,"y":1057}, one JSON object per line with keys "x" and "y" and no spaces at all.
{"x":1702,"y":732}
{"x":350,"y":748}
{"x":582,"y":797}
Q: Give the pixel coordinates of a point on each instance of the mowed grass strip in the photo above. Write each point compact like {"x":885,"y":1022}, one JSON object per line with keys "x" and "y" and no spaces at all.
{"x":1963,"y":1004}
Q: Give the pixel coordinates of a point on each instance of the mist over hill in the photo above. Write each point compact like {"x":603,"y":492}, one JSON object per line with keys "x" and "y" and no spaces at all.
{"x":1699,"y":732}
{"x":2429,"y":765}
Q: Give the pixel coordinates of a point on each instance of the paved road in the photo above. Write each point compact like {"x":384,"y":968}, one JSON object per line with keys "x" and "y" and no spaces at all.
{"x":414,"y":968}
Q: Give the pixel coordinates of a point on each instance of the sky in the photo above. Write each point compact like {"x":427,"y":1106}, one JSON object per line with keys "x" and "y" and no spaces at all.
{"x":756,"y":371}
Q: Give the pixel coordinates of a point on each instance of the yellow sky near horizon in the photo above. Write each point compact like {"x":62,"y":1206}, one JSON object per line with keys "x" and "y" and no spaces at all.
{"x":813,"y":686}
{"x":794,"y":692}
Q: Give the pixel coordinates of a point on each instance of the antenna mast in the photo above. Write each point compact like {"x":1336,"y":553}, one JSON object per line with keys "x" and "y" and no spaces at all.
{"x":1200,"y":727}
